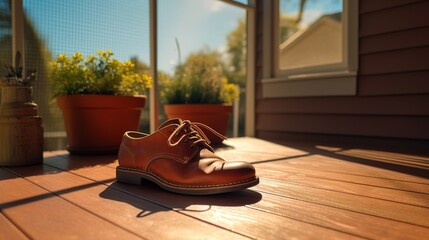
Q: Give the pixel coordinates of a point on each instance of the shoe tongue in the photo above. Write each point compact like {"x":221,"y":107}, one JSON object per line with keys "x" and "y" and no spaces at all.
{"x":177,"y":121}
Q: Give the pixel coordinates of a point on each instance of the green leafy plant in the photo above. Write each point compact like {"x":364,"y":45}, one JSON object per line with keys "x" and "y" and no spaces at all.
{"x":99,"y":74}
{"x":199,"y":79}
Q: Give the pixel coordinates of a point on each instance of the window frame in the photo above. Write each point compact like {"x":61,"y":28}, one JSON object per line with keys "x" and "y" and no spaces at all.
{"x":337,"y":79}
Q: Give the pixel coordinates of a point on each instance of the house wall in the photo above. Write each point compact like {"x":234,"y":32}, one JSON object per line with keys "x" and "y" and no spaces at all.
{"x":393,"y":81}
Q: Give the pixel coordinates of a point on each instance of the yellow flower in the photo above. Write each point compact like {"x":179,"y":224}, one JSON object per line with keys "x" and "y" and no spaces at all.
{"x":100,"y":52}
{"x":129,"y":63}
{"x":77,"y":57}
{"x":99,"y":74}
{"x":91,"y":58}
{"x":62,"y":57}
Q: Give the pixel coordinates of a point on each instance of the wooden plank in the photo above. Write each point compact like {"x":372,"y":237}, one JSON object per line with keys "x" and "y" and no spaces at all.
{"x":315,"y":166}
{"x":346,"y":177}
{"x":419,"y":162}
{"x":410,"y":38}
{"x":398,"y":83}
{"x":413,"y":127}
{"x":335,"y":158}
{"x":394,"y":19}
{"x":130,"y":212}
{"x":381,"y":226}
{"x":264,"y":148}
{"x":371,"y":167}
{"x":82,"y":161}
{"x":227,"y":210}
{"x":375,"y":207}
{"x":371,"y":5}
{"x":374,"y":105}
{"x":371,"y":179}
{"x":318,"y":180}
{"x":43,"y":215}
{"x":9,"y":230}
{"x":404,"y":60}
{"x":363,"y":225}
{"x":359,"y":161}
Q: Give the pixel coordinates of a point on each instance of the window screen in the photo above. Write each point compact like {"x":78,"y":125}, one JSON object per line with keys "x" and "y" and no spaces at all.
{"x":53,"y":27}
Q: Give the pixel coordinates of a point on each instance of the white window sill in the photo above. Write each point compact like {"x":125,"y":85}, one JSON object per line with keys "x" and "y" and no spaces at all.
{"x":314,"y":84}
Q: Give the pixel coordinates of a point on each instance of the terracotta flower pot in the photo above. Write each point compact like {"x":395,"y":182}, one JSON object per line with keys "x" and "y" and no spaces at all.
{"x":213,"y":115}
{"x":95,"y":123}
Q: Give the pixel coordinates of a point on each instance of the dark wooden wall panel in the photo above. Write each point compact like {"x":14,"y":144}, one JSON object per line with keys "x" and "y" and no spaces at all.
{"x":393,"y":82}
{"x":409,"y":16}
{"x":412,"y":38}
{"x":379,"y":105}
{"x":405,"y":60}
{"x":375,"y":5}
{"x":359,"y":125}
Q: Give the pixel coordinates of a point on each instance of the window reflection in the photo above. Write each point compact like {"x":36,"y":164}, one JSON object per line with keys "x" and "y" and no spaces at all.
{"x":310,"y":33}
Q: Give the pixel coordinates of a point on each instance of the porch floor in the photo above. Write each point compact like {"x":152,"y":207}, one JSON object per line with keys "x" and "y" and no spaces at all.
{"x":306,"y":191}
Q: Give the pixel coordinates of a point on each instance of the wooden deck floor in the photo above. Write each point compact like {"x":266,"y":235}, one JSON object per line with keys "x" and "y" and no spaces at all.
{"x":305,"y":192}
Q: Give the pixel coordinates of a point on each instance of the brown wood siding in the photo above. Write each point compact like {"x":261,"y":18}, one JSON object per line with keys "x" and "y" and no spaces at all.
{"x":393,"y":82}
{"x":371,"y":6}
{"x":366,"y":125}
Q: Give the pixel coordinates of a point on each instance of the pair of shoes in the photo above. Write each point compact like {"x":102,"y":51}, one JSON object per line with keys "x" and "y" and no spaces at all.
{"x":178,"y":157}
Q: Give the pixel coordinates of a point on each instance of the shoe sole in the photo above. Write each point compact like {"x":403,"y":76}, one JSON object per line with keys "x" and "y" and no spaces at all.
{"x":133,"y":176}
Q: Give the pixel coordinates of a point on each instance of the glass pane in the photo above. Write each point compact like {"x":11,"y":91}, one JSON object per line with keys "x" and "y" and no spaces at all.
{"x":54,"y":27}
{"x":242,"y":1}
{"x":310,"y":33}
{"x":5,"y":35}
{"x":208,"y":28}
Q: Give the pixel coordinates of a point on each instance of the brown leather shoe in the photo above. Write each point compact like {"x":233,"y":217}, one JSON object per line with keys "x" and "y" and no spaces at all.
{"x":179,"y":158}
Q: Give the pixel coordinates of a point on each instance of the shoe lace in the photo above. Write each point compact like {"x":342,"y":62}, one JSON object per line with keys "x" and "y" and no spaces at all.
{"x":203,"y":126}
{"x":193,"y":132}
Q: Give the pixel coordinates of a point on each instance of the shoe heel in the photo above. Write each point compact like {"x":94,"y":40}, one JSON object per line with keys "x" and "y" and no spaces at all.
{"x":127,"y":176}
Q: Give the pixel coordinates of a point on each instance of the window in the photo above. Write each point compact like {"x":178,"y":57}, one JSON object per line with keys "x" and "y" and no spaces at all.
{"x":314,"y":46}
{"x":205,"y":28}
{"x":309,"y":33}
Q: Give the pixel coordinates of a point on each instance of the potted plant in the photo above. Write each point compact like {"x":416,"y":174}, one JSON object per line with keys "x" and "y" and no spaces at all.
{"x":200,"y":92}
{"x":100,"y":98}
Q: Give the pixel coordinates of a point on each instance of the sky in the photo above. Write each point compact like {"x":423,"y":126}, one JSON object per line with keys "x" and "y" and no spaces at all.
{"x":196,"y":24}
{"x":122,"y":26}
{"x":313,"y":9}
